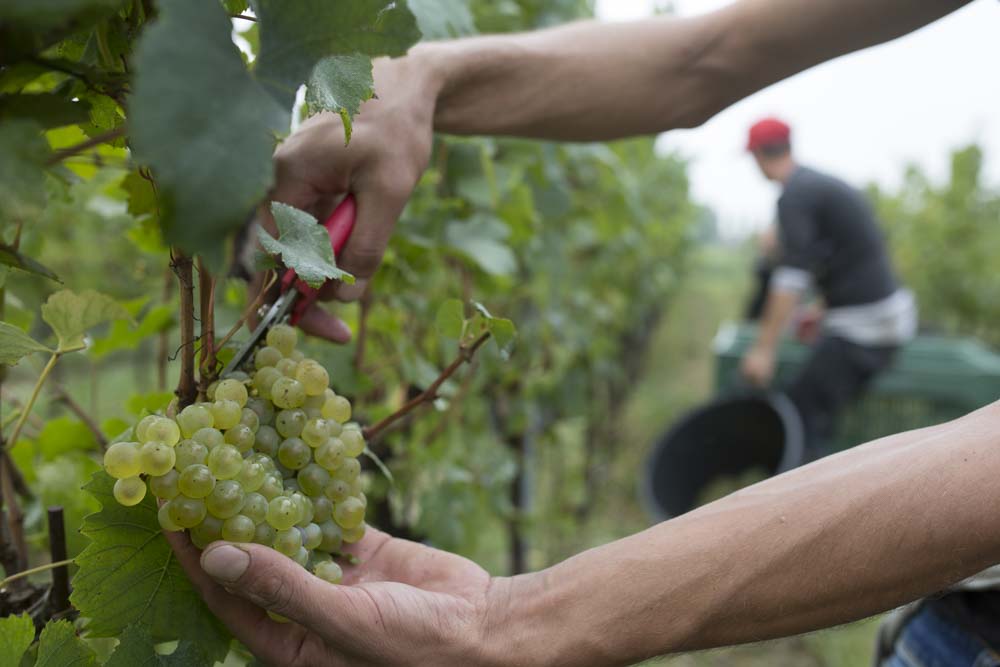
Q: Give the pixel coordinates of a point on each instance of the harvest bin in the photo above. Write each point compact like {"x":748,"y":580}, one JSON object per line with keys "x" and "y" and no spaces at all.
{"x":729,"y":437}
{"x":934,"y":379}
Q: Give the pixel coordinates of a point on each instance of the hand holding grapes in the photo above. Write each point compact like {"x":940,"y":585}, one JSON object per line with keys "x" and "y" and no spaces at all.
{"x":404,"y":604}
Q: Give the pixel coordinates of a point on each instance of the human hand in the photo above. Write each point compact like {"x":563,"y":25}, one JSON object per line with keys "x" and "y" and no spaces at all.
{"x":405,"y":604}
{"x":389,"y":150}
{"x":757,"y":366}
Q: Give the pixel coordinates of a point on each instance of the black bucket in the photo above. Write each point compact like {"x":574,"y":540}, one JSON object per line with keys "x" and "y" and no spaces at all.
{"x":727,"y":437}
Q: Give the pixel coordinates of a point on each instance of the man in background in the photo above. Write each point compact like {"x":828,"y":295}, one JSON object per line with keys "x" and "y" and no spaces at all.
{"x":830,"y":242}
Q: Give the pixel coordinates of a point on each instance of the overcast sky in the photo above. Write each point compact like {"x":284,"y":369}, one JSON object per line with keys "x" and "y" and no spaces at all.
{"x":862,"y":117}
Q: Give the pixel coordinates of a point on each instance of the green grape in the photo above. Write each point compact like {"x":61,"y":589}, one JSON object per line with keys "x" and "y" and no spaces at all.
{"x":288,"y":393}
{"x":255,"y":507}
{"x":194,"y":417}
{"x":250,"y":419}
{"x":311,"y":536}
{"x":330,"y":454}
{"x":186,"y":512}
{"x":272,"y":487}
{"x":282,"y":513}
{"x":288,"y":541}
{"x":354,"y":534}
{"x":156,"y":458}
{"x":349,"y":470}
{"x":338,"y":408}
{"x":266,"y":357}
{"x":189,"y":453}
{"x":263,"y":408}
{"x":362,"y":497}
{"x":196,"y":481}
{"x":239,"y":376}
{"x":301,"y":556}
{"x":349,"y":513}
{"x":164,"y":430}
{"x":314,"y":402}
{"x":296,"y":355}
{"x":357,"y":486}
{"x":251,"y":476}
{"x":291,"y":485}
{"x":354,"y":442}
{"x":329,"y":571}
{"x":265,"y":461}
{"x":282,"y":337}
{"x":122,"y":460}
{"x":313,"y":377}
{"x":165,"y":485}
{"x":313,"y":479}
{"x":333,"y":536}
{"x":227,"y":413}
{"x":305,"y":508}
{"x":210,"y":391}
{"x":336,"y":428}
{"x":337,"y":490}
{"x":316,"y":432}
{"x":130,"y":491}
{"x":264,"y":534}
{"x":322,"y":508}
{"x":206,"y":532}
{"x":226,"y":499}
{"x":238,"y":528}
{"x":264,"y":379}
{"x":289,"y":423}
{"x":294,"y":454}
{"x":140,"y":429}
{"x":285,"y":473}
{"x":225,"y":462}
{"x":210,"y":437}
{"x":267,"y":440}
{"x":287,"y":368}
{"x":232,"y":390}
{"x":241,"y":437}
{"x":166,"y":523}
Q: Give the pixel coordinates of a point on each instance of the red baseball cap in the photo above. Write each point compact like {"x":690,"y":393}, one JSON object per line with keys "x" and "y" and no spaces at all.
{"x":767,"y":132}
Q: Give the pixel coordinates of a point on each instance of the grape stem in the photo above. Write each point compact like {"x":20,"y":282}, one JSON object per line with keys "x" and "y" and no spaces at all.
{"x":12,"y":441}
{"x":187,"y":390}
{"x":63,"y":396}
{"x":465,"y":355}
{"x":35,"y":570}
{"x":250,"y":310}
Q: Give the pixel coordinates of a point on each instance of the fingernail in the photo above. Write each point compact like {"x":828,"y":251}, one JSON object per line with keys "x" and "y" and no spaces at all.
{"x":226,"y":563}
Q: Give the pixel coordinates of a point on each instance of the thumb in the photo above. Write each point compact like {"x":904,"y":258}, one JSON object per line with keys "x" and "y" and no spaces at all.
{"x":270,"y":580}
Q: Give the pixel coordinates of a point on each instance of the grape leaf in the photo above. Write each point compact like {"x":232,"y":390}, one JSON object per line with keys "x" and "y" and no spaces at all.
{"x":137,"y":649}
{"x":304,"y":246}
{"x":450,"y":319}
{"x":443,"y":19}
{"x":128,"y":574}
{"x":504,"y":334}
{"x":22,"y":182}
{"x":16,"y":635}
{"x":47,"y":13}
{"x":70,"y":315}
{"x":341,"y":84}
{"x":11,"y":257}
{"x":481,"y":239}
{"x":48,"y":109}
{"x":58,"y":646}
{"x":15,"y":344}
{"x":190,"y":75}
{"x":297,"y":34}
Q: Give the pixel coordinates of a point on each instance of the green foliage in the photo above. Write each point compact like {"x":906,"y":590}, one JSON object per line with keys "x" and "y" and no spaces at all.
{"x":128,"y":574}
{"x":58,"y":646}
{"x":15,"y":344}
{"x":441,"y":19}
{"x":16,"y":635}
{"x":71,"y":315}
{"x":303,"y":245}
{"x":22,"y":182}
{"x":11,"y":257}
{"x":136,"y":650}
{"x":340,"y":84}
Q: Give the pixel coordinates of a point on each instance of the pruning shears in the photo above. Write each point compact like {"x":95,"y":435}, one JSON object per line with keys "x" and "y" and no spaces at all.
{"x":296,"y":296}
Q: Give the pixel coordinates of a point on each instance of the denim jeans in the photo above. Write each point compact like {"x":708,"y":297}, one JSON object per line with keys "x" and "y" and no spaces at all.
{"x":929,"y":640}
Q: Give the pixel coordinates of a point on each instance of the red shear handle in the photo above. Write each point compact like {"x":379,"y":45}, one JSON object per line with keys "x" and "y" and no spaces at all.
{"x":339,"y":226}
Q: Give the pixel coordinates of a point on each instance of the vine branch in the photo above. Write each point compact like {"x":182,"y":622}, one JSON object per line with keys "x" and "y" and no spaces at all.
{"x":187,"y":390}
{"x":104,"y":137}
{"x":206,"y":298}
{"x":63,"y":396}
{"x":244,"y":17}
{"x":465,"y":355}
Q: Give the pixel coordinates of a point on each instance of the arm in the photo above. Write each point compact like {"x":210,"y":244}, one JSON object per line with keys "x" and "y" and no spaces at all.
{"x":758,"y":364}
{"x":841,"y":539}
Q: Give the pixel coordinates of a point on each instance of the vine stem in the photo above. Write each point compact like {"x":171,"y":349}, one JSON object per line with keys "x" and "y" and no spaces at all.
{"x":206,"y":299}
{"x":36,"y":570}
{"x":187,"y":390}
{"x":465,"y":355}
{"x":245,"y":17}
{"x":249,"y":310}
{"x":110,"y":135}
{"x":16,"y":433}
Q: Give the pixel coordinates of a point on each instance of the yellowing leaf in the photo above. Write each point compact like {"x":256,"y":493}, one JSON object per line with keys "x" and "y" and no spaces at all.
{"x":70,"y":315}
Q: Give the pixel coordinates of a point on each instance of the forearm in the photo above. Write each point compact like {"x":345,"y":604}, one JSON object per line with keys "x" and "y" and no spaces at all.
{"x":593,"y":81}
{"x":841,"y":539}
{"x":777,"y":312}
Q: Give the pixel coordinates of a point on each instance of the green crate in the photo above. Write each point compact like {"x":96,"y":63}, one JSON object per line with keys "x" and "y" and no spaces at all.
{"x":934,"y":379}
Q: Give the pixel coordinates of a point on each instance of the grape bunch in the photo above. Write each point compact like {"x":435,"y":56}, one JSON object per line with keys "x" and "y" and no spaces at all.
{"x":272,"y":458}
